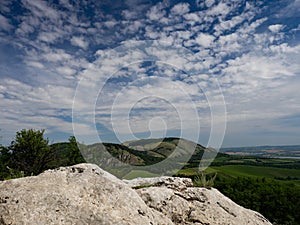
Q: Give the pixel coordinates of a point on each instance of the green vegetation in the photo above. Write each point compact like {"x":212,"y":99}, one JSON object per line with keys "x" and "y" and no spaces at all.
{"x":257,"y":171}
{"x":270,"y":186}
{"x":277,"y":201}
{"x":30,"y":154}
{"x":205,"y":180}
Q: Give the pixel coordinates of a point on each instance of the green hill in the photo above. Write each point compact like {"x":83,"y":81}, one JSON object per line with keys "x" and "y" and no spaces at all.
{"x":172,"y":154}
{"x":145,"y":152}
{"x":268,"y":185}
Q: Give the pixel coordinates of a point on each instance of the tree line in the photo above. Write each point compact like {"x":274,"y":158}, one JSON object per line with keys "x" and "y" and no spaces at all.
{"x":30,"y":154}
{"x":277,"y":201}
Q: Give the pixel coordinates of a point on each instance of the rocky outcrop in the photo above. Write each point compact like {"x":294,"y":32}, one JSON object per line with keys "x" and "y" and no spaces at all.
{"x":85,"y":194}
{"x":184,"y":204}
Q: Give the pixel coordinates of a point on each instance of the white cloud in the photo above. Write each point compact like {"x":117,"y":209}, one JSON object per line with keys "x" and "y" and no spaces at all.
{"x":256,"y":24}
{"x":24,"y":29}
{"x":228,"y":25}
{"x":4,"y":23}
{"x":275,"y":28}
{"x":172,"y":95}
{"x":41,"y":9}
{"x":185,"y":35}
{"x":156,"y":12}
{"x":255,"y":68}
{"x":80,"y":42}
{"x":66,"y":71}
{"x":209,"y":3}
{"x":110,"y":24}
{"x":130,"y":14}
{"x":259,"y":87}
{"x":222,"y":9}
{"x":181,"y":9}
{"x":205,"y":40}
{"x":132,"y":27}
{"x":57,"y":55}
{"x":192,"y":18}
{"x":66,"y":4}
{"x":48,"y":37}
{"x":35,"y":64}
{"x":42,"y":107}
{"x":229,"y":44}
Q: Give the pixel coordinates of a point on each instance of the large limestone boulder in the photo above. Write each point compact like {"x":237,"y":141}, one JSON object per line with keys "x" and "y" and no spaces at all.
{"x":85,"y":194}
{"x":81,"y":194}
{"x":184,"y":204}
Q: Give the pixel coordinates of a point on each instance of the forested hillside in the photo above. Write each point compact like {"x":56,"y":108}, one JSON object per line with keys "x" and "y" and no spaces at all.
{"x":269,"y":186}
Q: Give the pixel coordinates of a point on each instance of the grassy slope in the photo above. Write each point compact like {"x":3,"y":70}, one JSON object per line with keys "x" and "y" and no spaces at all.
{"x":257,"y":171}
{"x":224,"y":165}
{"x":249,"y":190}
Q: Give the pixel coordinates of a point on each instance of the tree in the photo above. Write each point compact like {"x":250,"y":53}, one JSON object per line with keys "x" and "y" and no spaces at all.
{"x":30,"y":152}
{"x":4,"y":162}
{"x":75,"y":156}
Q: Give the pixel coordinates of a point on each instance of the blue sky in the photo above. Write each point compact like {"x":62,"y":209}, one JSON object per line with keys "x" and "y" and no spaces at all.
{"x":137,"y":69}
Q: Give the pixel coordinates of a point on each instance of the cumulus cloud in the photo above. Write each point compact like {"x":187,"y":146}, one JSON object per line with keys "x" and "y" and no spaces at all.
{"x":204,"y":40}
{"x":275,"y":28}
{"x":221,"y":9}
{"x":48,"y":37}
{"x":80,"y":42}
{"x":181,"y":8}
{"x":156,"y":12}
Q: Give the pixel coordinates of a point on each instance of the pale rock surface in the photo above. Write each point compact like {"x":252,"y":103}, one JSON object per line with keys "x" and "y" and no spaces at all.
{"x":81,"y":194}
{"x":86,"y":194}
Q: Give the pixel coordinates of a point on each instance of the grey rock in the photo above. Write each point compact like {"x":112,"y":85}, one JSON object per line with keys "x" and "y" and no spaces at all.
{"x":169,"y":182}
{"x":86,"y":194}
{"x":199,"y":206}
{"x":81,"y":194}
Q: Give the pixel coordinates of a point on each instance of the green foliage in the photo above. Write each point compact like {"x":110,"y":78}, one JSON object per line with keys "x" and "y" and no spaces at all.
{"x":75,"y":156}
{"x":277,"y":201}
{"x":30,"y":152}
{"x":204,"y":180}
{"x":4,"y":162}
{"x":269,"y":186}
{"x":66,"y":154}
{"x":13,"y":173}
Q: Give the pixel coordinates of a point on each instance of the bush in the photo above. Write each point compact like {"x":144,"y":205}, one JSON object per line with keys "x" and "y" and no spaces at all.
{"x":204,"y":180}
{"x":30,"y":152}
